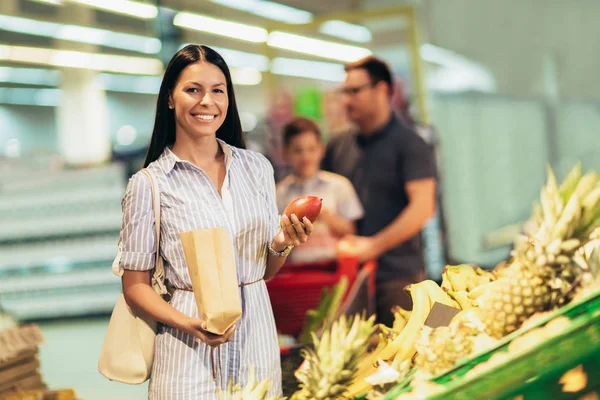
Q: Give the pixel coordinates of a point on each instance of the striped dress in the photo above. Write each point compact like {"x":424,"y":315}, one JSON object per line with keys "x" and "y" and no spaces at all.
{"x":183,"y":367}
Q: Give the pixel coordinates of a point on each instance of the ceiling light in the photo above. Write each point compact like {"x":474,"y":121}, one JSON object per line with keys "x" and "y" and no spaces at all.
{"x":308,"y":69}
{"x":82,"y":34}
{"x":77,"y":59}
{"x":125,"y":7}
{"x":269,"y":10}
{"x":30,"y":96}
{"x":30,"y":76}
{"x":346,"y":30}
{"x":52,"y":2}
{"x":220,"y":27}
{"x":246,"y":76}
{"x":316,"y":47}
{"x":236,"y":58}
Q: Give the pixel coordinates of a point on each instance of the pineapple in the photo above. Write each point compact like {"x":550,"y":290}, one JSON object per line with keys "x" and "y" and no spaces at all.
{"x":329,"y":369}
{"x":546,"y":271}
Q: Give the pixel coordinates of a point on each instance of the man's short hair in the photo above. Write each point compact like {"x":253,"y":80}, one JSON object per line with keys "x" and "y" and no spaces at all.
{"x":377,"y":69}
{"x":297,"y":126}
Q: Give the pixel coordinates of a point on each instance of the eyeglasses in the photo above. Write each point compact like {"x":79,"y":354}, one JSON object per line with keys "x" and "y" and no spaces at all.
{"x":353,"y":91}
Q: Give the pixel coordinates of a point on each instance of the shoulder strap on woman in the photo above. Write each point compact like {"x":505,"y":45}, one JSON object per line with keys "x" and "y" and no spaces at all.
{"x":158,"y":276}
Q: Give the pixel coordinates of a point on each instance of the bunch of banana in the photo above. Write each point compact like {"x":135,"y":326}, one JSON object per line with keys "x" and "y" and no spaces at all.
{"x":465,"y":277}
{"x":402,"y":347}
{"x":253,"y":390}
{"x":331,"y":367}
{"x":401,"y":317}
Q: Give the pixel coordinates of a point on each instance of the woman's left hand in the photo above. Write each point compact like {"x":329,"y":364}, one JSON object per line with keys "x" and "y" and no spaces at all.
{"x":293,"y":232}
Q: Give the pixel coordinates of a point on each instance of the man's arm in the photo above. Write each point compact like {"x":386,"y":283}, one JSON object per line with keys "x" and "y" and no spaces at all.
{"x":421,"y":207}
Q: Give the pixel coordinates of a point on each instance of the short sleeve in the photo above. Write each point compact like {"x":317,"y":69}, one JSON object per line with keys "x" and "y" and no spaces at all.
{"x":418,"y":160}
{"x":349,"y":205}
{"x":137,"y":240}
{"x":270,"y":191}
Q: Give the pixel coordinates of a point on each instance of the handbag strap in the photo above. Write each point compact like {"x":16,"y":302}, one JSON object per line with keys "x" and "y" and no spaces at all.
{"x":158,"y":276}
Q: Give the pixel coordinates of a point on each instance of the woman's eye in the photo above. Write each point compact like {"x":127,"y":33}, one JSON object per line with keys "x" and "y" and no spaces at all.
{"x":218,"y":91}
{"x":192,"y":90}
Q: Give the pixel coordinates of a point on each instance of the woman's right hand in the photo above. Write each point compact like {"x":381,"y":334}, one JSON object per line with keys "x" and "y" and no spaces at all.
{"x":197,"y":327}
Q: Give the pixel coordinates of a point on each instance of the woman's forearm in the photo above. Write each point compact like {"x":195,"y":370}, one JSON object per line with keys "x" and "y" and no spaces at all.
{"x":140,"y":295}
{"x":274,"y":263}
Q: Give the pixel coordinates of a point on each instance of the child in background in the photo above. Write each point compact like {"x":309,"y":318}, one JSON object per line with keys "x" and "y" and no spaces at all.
{"x":304,"y":150}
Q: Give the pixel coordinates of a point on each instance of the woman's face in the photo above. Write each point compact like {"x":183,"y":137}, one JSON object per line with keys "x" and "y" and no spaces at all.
{"x":199,"y":100}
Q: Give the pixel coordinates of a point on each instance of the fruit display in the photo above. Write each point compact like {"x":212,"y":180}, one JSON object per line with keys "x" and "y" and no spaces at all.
{"x":306,"y":206}
{"x":507,"y":314}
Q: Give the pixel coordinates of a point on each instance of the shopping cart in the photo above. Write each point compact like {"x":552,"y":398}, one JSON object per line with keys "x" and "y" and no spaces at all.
{"x":297,"y":288}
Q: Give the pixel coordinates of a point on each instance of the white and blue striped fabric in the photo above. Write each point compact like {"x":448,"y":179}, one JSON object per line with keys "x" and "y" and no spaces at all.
{"x":183,"y":368}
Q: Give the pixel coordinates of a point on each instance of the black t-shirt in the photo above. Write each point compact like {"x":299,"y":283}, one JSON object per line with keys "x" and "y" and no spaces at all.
{"x":379,"y":165}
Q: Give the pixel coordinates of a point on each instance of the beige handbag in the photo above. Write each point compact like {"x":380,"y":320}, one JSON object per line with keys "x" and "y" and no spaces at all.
{"x":128,"y":349}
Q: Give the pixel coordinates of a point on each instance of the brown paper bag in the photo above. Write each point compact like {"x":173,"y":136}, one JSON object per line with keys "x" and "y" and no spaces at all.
{"x":211,"y":264}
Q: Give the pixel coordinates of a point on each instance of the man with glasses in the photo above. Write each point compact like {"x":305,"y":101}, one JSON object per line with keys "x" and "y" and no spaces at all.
{"x":393,"y":172}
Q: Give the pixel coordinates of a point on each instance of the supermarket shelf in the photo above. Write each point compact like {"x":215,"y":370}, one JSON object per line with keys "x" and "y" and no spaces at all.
{"x":25,"y":203}
{"x":58,"y":281}
{"x":31,"y":256}
{"x":53,"y":226}
{"x":65,"y":304}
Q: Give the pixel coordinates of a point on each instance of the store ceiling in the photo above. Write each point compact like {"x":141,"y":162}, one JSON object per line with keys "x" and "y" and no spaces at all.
{"x":530,"y":47}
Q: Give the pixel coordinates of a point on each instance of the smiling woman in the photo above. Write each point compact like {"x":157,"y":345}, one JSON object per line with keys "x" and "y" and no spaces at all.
{"x":206,"y":180}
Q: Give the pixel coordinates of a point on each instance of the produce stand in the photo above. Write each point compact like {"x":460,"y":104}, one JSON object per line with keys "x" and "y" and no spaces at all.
{"x":533,"y":374}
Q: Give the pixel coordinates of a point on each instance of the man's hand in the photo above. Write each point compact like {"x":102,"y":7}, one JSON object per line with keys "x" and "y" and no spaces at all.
{"x":364,"y":248}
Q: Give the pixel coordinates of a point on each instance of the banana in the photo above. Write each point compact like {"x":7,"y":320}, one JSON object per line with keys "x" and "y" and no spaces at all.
{"x":482,"y":289}
{"x":454,"y":282}
{"x":403,"y":346}
{"x":400,"y":319}
{"x":436,"y":294}
{"x":462,"y":298}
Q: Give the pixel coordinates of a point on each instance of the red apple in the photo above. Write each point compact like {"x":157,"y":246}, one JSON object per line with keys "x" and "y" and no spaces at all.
{"x":306,"y":206}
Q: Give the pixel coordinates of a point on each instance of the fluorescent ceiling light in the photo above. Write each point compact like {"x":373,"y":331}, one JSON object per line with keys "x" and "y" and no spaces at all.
{"x":308,"y":69}
{"x":82,"y":34}
{"x":236,"y":58}
{"x":246,"y":76}
{"x":220,"y":27}
{"x":53,"y":2}
{"x":30,"y":76}
{"x":77,"y":59}
{"x":346,"y":30}
{"x":131,"y":84}
{"x":269,"y":10}
{"x":457,"y":72}
{"x":29,"y":96}
{"x":125,"y":7}
{"x":316,"y":47}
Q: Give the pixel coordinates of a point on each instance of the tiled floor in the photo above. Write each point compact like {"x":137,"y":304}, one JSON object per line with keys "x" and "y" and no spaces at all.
{"x":69,"y":360}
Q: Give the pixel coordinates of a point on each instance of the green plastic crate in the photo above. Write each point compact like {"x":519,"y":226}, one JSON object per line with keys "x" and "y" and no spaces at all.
{"x":579,"y":344}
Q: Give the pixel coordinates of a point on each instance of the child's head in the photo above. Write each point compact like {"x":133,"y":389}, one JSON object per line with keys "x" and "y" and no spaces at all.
{"x":303,"y":147}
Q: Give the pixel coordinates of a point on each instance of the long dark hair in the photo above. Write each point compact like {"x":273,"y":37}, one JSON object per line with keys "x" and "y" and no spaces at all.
{"x":163,"y":134}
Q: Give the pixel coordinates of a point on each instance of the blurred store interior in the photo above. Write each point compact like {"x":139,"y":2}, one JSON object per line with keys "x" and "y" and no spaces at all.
{"x":500,"y":88}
